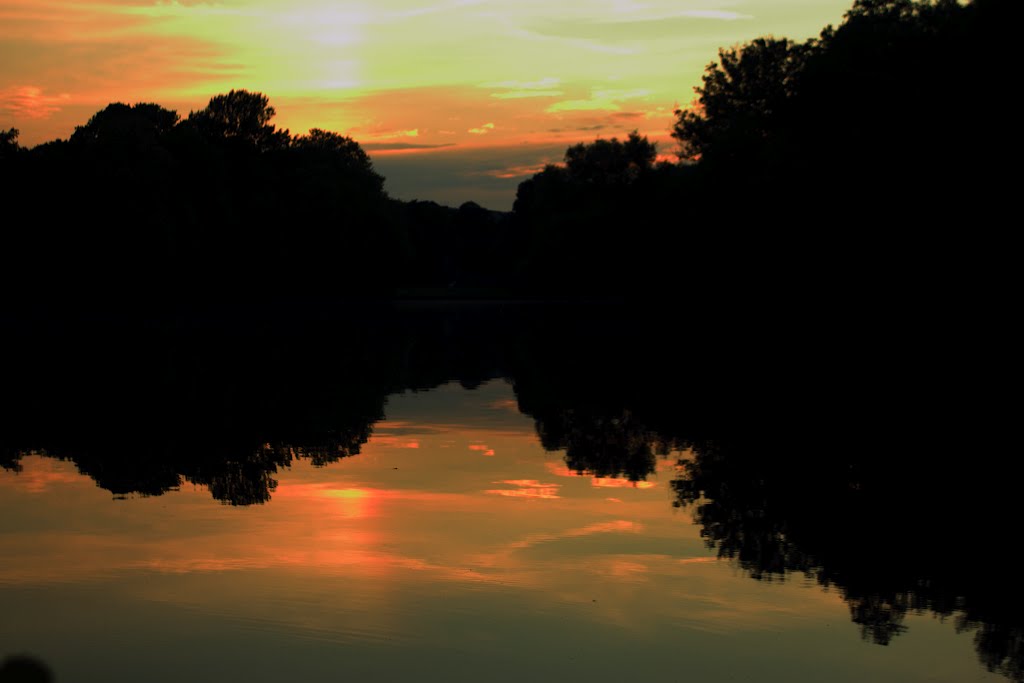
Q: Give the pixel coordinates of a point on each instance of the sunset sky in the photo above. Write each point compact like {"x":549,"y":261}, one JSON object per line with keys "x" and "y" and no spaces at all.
{"x":455,"y":101}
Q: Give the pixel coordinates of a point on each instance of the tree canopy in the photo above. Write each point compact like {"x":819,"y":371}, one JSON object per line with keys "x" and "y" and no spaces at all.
{"x":133,"y":126}
{"x":9,"y":142}
{"x":741,"y":100}
{"x":240,"y":116}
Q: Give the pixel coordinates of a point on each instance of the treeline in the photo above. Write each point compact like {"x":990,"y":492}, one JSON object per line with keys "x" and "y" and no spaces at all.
{"x":219,"y":205}
{"x":860,"y":163}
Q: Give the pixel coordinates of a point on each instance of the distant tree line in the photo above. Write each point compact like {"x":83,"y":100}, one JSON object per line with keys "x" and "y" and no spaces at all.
{"x":832,"y":165}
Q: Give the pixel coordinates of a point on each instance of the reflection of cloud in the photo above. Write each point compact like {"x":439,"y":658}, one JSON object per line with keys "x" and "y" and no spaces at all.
{"x":482,"y":130}
{"x":509,"y":404}
{"x":611,"y":483}
{"x":395,"y":441}
{"x":398,"y":427}
{"x":527,"y":488}
{"x":29,"y":102}
{"x":560,"y":470}
{"x":617,"y":526}
{"x":45,"y":474}
{"x":625,"y":569}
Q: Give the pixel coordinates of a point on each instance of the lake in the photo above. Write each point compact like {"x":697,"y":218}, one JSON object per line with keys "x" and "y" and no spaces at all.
{"x":477,"y":495}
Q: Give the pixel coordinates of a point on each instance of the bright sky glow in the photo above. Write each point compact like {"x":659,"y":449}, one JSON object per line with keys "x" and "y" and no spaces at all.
{"x":443,"y":79}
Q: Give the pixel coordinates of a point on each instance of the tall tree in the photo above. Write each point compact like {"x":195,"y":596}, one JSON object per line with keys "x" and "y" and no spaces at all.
{"x":740,"y":100}
{"x":241,"y":116}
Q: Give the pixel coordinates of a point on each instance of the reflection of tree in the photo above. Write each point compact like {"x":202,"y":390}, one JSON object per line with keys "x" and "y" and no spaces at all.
{"x":222,"y":407}
{"x":9,"y":460}
{"x":876,"y":526}
{"x":603,"y":445}
{"x":1000,"y":647}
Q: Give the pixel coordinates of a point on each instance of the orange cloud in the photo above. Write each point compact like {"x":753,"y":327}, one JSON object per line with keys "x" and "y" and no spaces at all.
{"x":516,"y":171}
{"x":29,"y":102}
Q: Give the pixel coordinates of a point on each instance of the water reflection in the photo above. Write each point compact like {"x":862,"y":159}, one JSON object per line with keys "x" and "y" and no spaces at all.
{"x":893,"y":537}
{"x":778,"y":489}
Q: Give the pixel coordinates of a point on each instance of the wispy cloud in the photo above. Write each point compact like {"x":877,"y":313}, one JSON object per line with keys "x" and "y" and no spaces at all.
{"x":31,"y":102}
{"x":721,"y":15}
{"x":619,"y":526}
{"x":600,"y":100}
{"x":510,"y":172}
{"x":510,"y":90}
{"x":402,"y":146}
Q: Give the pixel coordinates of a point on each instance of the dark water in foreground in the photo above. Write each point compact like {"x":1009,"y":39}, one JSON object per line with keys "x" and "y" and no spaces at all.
{"x":477,"y":497}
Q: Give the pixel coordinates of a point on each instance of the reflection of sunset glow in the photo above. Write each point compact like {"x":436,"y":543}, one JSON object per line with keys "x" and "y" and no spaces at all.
{"x":349,"y":493}
{"x":626,"y":569}
{"x":618,"y":526}
{"x":560,"y":470}
{"x":526,"y":488}
{"x":608,"y":483}
{"x":481,"y":448}
{"x":352,"y":503}
{"x":47,"y":475}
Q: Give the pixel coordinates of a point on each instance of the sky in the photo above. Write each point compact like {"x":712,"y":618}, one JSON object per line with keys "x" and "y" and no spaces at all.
{"x":455,"y":100}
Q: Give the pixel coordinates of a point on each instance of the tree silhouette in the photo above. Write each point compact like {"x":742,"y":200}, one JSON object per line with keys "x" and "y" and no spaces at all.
{"x":240,"y":116}
{"x":573,"y":217}
{"x":610,"y":162}
{"x":341,"y":158}
{"x":9,"y":146}
{"x":131,"y":128}
{"x":740,"y":100}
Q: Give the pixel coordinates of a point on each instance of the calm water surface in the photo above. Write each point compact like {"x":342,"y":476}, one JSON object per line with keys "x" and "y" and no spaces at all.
{"x":453,"y":547}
